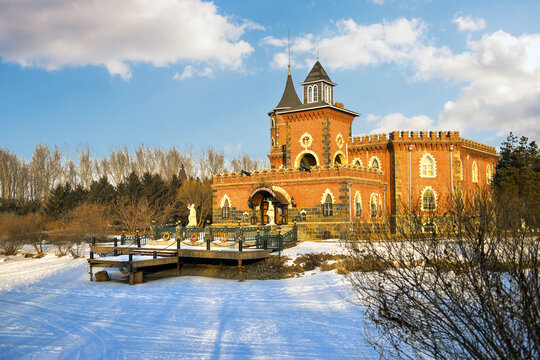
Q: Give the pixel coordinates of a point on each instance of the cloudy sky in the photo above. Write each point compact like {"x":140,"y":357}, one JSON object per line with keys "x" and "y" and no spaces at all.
{"x":191,"y":73}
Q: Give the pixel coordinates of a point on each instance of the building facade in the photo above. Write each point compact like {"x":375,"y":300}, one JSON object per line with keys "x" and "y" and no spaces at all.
{"x":324,"y":178}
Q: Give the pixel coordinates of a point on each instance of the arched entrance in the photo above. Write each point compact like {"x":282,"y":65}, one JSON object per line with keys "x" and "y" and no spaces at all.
{"x":259,"y":201}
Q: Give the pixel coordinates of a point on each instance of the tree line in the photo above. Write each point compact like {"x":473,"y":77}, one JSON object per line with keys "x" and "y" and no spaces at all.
{"x":25,"y":185}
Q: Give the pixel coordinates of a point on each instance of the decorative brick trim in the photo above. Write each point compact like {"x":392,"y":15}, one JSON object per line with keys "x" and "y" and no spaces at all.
{"x":225,"y":197}
{"x":339,"y":140}
{"x":327,"y":192}
{"x":283,"y":192}
{"x":309,"y":140}
{"x":428,"y":156}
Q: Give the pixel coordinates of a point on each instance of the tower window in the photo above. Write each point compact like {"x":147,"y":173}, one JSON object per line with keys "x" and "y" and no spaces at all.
{"x":375,"y":164}
{"x":310,"y":94}
{"x":315,"y":93}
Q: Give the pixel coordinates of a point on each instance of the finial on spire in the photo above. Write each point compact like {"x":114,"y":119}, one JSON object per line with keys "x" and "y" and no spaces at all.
{"x":289,"y":42}
{"x":318,"y":46}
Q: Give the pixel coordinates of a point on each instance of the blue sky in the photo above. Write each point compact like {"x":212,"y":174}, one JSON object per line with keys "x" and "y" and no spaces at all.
{"x":193,"y":73}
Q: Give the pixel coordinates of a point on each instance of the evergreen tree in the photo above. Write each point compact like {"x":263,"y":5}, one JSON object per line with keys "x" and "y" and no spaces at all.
{"x":101,"y":192}
{"x":518,"y":170}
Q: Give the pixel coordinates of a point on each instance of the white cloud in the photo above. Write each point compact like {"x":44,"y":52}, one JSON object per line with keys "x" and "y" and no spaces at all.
{"x":398,"y":121}
{"x":378,"y":2}
{"x":354,"y":45}
{"x":500,"y":72}
{"x":115,"y":34}
{"x":190,"y":71}
{"x":468,"y":23}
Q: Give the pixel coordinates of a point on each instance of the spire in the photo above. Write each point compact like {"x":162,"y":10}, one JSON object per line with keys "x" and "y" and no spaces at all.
{"x":317,"y":73}
{"x":290,"y":98}
{"x":289,"y":41}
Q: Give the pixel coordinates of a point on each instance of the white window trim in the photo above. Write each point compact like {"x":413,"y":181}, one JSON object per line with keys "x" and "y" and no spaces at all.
{"x":225,"y":197}
{"x":434,"y":196}
{"x":425,"y":156}
{"x":358,"y":162}
{"x":327,"y":192}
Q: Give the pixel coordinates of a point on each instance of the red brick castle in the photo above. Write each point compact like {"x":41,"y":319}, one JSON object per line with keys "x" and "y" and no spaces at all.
{"x":324,"y":178}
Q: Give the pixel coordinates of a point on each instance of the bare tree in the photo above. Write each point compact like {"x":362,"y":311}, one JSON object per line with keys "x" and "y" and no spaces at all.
{"x":463,"y":285}
{"x":212,"y":162}
{"x":86,"y":166}
{"x":245,"y":162}
{"x":199,"y":194}
{"x":15,"y":231}
{"x":41,"y":171}
{"x":119,"y":165}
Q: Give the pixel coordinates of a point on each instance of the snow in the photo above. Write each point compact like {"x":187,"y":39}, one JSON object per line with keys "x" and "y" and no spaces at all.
{"x":51,"y":310}
{"x":316,"y":247}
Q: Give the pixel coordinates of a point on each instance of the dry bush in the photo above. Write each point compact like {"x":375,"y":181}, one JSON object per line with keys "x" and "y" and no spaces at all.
{"x":468,"y":290}
{"x":15,"y":231}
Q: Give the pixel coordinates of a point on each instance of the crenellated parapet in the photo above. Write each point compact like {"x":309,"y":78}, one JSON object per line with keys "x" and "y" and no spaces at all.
{"x":327,"y":171}
{"x":479,"y":146}
{"x":369,"y":139}
{"x":423,"y":137}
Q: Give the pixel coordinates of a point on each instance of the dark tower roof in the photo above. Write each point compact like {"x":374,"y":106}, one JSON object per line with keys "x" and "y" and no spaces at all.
{"x":317,"y":73}
{"x":290,"y":98}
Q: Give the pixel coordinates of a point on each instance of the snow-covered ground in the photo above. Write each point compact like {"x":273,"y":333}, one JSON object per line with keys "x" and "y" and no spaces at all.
{"x":49,"y":310}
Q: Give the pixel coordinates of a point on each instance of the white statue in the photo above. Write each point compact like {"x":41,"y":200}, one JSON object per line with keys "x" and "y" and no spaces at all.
{"x":270,"y":214}
{"x":192,"y":218}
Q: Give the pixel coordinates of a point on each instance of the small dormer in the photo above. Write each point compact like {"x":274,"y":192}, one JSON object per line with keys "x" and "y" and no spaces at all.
{"x":318,"y":87}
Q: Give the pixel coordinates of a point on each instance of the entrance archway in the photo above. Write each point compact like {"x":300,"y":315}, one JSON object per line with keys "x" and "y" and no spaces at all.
{"x":258,"y":203}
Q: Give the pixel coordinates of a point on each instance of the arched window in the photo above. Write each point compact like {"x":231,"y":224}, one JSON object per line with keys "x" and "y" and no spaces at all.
{"x":246,"y":217}
{"x":339,"y":159}
{"x":303,"y":215}
{"x":315,"y":93}
{"x":309,"y":94}
{"x":373,"y":205}
{"x":327,"y":206}
{"x":273,"y":142}
{"x":474,"y":172}
{"x":307,"y":161}
{"x":375,"y":164}
{"x":380,"y":208}
{"x":357,"y":162}
{"x":428,"y":200}
{"x":273,"y":124}
{"x":489,"y":175}
{"x":427,"y":166}
{"x":358,"y":205}
{"x":225,"y":209}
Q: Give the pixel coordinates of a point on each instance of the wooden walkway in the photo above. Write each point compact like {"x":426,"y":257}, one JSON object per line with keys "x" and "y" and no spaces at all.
{"x":129,"y":259}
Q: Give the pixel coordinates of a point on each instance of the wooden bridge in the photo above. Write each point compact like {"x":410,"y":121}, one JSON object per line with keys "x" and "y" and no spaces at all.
{"x":239,"y":244}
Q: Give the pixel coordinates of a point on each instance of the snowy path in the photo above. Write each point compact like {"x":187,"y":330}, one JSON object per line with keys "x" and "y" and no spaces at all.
{"x":66,"y":316}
